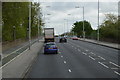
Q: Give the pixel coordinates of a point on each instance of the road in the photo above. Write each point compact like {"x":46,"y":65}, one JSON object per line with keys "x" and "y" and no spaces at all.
{"x":76,"y":59}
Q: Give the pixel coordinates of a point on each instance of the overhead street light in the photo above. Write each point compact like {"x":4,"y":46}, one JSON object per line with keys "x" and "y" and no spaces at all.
{"x":83,"y":21}
{"x":29,"y":24}
{"x":98,"y":24}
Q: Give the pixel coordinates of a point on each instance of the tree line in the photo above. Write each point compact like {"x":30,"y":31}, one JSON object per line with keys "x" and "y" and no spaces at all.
{"x":109,"y":29}
{"x":15,"y":20}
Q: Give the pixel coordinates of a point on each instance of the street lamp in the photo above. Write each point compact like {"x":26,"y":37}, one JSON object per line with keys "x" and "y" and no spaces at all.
{"x":83,"y":21}
{"x":68,"y":28}
{"x":67,"y":25}
{"x":98,"y":24}
{"x":29,"y":25}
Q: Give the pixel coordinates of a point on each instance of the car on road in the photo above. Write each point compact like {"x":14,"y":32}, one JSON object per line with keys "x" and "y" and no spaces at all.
{"x":62,"y":39}
{"x":50,"y":47}
{"x":75,"y":38}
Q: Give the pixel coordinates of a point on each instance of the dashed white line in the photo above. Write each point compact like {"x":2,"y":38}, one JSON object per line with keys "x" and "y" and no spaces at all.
{"x":101,"y":57}
{"x":116,"y":72}
{"x":92,"y":53}
{"x":64,"y":62}
{"x":84,"y":53}
{"x":62,"y":56}
{"x":114,"y":68}
{"x":103,"y":64}
{"x":92,"y":58}
{"x":114,"y":64}
{"x":69,"y":70}
{"x":59,"y":52}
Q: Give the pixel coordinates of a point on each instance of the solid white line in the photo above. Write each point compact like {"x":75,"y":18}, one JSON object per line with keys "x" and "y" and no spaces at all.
{"x":116,"y":72}
{"x":114,"y":64}
{"x":84,"y":53}
{"x":103,"y":64}
{"x":14,"y":58}
{"x":65,"y":62}
{"x":14,"y":51}
{"x":69,"y":70}
{"x":92,"y":58}
{"x":101,"y":57}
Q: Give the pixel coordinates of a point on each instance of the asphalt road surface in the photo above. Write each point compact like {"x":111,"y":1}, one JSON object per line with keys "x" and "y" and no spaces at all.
{"x":77,"y":59}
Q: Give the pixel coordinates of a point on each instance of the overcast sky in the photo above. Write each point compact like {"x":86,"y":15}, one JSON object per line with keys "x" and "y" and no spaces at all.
{"x":59,"y":11}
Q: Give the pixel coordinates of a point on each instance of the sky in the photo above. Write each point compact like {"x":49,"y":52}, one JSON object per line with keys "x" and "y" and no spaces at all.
{"x":63,"y":14}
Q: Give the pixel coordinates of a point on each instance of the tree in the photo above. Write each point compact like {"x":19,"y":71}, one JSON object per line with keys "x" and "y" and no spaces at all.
{"x":78,"y":28}
{"x":109,"y":28}
{"x":15,"y":18}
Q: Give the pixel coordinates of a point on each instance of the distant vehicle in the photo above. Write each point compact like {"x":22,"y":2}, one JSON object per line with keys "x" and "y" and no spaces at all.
{"x":62,"y":39}
{"x":75,"y":38}
{"x":56,"y":36}
{"x":50,"y":47}
{"x":49,"y":34}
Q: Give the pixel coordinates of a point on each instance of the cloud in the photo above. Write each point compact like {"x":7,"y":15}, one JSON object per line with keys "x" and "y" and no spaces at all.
{"x":59,"y":11}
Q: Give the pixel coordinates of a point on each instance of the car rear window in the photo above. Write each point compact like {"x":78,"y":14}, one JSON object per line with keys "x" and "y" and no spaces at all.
{"x":50,"y":45}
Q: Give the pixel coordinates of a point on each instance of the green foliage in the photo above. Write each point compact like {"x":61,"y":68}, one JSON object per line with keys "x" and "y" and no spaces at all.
{"x":17,"y":14}
{"x":109,"y":28}
{"x":78,"y":28}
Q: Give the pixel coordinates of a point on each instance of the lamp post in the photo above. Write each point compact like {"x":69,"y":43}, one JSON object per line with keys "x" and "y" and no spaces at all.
{"x":29,"y":25}
{"x":83,"y":21}
{"x":67,"y":26}
{"x":98,"y":24}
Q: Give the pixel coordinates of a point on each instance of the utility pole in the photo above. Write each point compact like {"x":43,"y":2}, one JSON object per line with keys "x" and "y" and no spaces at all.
{"x":29,"y":25}
{"x":83,"y":22}
{"x":83,"y":25}
{"x":38,"y":24}
{"x":98,"y":24}
{"x":38,"y":29}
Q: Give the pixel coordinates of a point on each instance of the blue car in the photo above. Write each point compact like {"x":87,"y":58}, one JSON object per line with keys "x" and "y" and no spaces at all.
{"x":50,"y":48}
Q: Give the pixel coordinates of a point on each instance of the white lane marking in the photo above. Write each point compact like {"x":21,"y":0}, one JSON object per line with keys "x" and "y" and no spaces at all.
{"x":101,"y":57}
{"x":59,"y":52}
{"x":14,"y":58}
{"x":114,"y":64}
{"x":92,"y":58}
{"x":114,"y":68}
{"x":14,"y":52}
{"x":62,"y":56}
{"x":84,"y":53}
{"x":69,"y":70}
{"x":103,"y":64}
{"x":116,"y":72}
{"x":65,"y":62}
{"x":92,"y":53}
